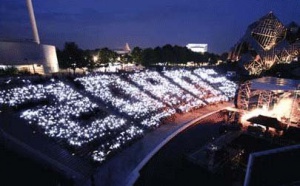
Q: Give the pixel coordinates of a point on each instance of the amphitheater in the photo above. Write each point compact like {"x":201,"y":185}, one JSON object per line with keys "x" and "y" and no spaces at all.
{"x":103,"y":128}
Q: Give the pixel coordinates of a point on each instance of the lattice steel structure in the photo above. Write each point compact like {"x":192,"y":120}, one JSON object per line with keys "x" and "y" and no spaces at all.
{"x":266,"y":61}
{"x":295,"y":114}
{"x":244,"y":95}
{"x":268,"y":32}
{"x":255,"y":67}
{"x":269,"y":42}
{"x":266,"y":92}
{"x":247,"y":93}
{"x":264,"y":99}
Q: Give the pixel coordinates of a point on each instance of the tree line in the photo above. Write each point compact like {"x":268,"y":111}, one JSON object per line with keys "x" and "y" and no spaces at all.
{"x":71,"y":56}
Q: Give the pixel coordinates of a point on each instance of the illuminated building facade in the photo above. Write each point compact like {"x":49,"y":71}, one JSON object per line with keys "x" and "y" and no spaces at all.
{"x":29,"y":55}
{"x":125,"y":50}
{"x":195,"y":47}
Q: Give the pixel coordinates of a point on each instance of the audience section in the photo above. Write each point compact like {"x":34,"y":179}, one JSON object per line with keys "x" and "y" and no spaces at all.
{"x":99,"y":114}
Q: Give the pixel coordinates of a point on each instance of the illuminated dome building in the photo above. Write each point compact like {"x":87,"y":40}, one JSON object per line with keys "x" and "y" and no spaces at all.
{"x":29,"y":55}
{"x":125,"y":50}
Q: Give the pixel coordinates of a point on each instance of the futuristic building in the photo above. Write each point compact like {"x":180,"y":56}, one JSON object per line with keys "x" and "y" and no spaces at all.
{"x":265,"y":43}
{"x":195,"y":47}
{"x":29,"y":55}
{"x":268,"y":32}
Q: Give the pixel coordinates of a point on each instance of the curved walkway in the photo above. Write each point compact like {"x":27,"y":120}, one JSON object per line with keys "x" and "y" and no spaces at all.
{"x":123,"y":169}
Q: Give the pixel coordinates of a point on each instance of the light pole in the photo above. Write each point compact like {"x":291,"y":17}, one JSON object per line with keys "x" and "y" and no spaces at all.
{"x":33,"y":68}
{"x":74,"y":68}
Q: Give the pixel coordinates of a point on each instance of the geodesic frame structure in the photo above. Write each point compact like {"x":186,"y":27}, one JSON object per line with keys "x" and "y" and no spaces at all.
{"x":271,"y":43}
{"x":251,"y":96}
{"x":268,"y":32}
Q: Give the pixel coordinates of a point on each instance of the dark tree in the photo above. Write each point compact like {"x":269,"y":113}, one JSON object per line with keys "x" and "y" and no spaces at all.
{"x":105,"y":56}
{"x":136,"y":55}
{"x":168,"y":54}
{"x":148,"y":57}
{"x":71,"y":56}
{"x":224,"y":56}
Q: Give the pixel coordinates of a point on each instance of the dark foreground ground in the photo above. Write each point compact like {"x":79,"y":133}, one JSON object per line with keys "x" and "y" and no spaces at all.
{"x":170,"y":166}
{"x":18,"y":170}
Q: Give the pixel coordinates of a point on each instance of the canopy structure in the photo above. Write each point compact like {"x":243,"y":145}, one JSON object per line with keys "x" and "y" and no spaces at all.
{"x":266,"y":91}
{"x":274,"y":83}
{"x":266,"y":121}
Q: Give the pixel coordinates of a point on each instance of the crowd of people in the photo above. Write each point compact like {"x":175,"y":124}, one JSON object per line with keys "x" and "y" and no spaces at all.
{"x":146,"y":98}
{"x":218,"y":82}
{"x":169,"y":93}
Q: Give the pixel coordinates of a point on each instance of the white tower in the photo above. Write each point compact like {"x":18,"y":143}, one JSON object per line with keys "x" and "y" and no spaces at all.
{"x":36,"y":37}
{"x":127,"y":48}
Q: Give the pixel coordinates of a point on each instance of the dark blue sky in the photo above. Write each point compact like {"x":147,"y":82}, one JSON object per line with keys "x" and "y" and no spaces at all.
{"x":111,"y":23}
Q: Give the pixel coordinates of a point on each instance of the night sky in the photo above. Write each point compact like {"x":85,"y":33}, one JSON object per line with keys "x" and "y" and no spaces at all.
{"x":111,"y":23}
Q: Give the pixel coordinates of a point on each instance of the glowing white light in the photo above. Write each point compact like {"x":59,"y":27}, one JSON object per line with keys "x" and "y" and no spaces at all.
{"x":59,"y":117}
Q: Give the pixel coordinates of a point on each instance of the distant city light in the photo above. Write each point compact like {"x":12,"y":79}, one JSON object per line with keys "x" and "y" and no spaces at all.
{"x":95,"y":58}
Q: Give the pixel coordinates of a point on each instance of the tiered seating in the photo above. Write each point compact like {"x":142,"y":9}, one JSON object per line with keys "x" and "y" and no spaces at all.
{"x":22,"y":95}
{"x":124,"y":96}
{"x":60,"y":119}
{"x":145,"y":99}
{"x":167,"y":92}
{"x":220,"y":82}
{"x":116,"y":143}
{"x":196,"y":86}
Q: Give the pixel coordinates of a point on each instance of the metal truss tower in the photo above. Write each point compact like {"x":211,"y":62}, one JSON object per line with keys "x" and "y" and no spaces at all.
{"x":295,"y":112}
{"x":244,"y":95}
{"x":264,"y":99}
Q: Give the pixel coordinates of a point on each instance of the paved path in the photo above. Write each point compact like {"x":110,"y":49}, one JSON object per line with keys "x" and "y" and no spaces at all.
{"x":123,"y":169}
